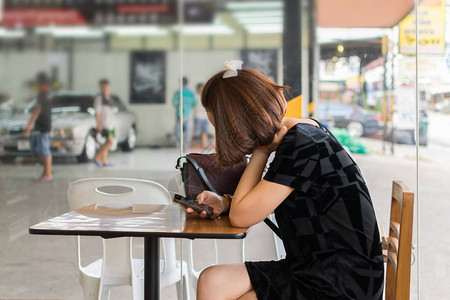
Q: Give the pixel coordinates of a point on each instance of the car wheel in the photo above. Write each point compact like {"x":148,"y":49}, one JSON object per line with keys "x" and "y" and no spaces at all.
{"x":8,"y":159}
{"x":88,"y":150}
{"x":355,"y":129}
{"x":130,"y":142}
{"x":423,"y":140}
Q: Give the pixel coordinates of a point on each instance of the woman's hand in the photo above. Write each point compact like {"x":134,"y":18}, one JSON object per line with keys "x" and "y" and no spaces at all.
{"x":268,"y":149}
{"x":218,"y":203}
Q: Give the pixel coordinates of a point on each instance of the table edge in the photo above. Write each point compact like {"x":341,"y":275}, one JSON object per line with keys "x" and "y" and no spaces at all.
{"x":187,"y":235}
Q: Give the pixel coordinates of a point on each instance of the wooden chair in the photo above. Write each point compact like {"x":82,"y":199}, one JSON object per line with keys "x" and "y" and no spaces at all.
{"x":399,"y":243}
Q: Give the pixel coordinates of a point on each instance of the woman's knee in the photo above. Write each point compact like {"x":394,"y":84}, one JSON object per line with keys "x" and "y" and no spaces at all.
{"x":210,"y":283}
{"x":210,"y":277}
{"x":223,"y":282}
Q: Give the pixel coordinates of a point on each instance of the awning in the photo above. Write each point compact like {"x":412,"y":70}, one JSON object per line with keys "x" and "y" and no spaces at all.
{"x":362,"y":13}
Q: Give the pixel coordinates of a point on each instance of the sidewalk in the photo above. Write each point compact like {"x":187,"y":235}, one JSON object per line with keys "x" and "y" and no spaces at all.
{"x":431,"y":153}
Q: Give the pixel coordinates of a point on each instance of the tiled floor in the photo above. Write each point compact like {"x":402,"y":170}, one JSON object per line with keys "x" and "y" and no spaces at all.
{"x":44,"y":267}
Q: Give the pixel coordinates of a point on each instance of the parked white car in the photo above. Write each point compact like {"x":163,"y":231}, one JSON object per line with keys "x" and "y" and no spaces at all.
{"x":73,"y":128}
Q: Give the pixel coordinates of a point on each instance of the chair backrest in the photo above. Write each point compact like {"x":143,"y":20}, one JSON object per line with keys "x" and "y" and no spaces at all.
{"x":87,"y":191}
{"x":398,"y":274}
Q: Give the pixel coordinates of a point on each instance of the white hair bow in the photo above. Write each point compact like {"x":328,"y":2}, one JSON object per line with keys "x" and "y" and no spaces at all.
{"x":232,"y":67}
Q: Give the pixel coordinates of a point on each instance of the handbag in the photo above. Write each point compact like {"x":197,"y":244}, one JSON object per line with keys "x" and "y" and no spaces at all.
{"x":201,"y":172}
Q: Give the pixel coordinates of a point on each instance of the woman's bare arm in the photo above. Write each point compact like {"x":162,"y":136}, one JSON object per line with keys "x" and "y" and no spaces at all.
{"x":254,"y":198}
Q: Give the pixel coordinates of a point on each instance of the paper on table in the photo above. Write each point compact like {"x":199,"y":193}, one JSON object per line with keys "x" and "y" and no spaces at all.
{"x":114,"y":205}
{"x":127,"y":208}
{"x":148,"y":208}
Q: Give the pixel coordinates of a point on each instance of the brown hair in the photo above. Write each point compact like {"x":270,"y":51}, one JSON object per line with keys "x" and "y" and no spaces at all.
{"x":247,"y":111}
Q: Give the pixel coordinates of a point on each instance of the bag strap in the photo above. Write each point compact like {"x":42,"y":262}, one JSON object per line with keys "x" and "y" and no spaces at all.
{"x":274,"y":227}
{"x":208,"y":184}
{"x":327,"y":131}
{"x":200,"y":172}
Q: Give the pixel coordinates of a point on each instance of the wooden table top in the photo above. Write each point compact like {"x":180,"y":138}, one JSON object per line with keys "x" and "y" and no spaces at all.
{"x":154,"y":221}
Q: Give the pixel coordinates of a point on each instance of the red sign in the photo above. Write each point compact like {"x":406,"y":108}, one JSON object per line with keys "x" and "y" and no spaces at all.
{"x":41,"y":17}
{"x":143,"y":9}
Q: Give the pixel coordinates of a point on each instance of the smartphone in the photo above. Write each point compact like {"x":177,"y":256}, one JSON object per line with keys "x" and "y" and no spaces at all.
{"x":193,"y":204}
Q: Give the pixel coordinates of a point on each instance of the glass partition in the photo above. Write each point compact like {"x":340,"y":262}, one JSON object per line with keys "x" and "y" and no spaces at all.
{"x":230,"y":30}
{"x":134,"y":46}
{"x":368,"y":97}
{"x":433,"y":154}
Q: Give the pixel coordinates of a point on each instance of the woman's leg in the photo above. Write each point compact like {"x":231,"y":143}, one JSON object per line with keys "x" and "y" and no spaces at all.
{"x":107,"y":146}
{"x":249,"y":296}
{"x":224,"y":282}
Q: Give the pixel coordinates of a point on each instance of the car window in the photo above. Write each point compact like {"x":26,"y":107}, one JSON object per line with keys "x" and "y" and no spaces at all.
{"x":71,"y":103}
{"x":30,"y":106}
{"x":330,"y":110}
{"x":116,"y":102}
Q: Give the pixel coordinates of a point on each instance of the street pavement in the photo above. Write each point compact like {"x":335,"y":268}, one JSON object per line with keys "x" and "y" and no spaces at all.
{"x":439,"y":128}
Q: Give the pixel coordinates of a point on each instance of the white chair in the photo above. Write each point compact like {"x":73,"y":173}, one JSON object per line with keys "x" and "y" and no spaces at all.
{"x":230,"y":248}
{"x":279,"y":247}
{"x":117,"y":266}
{"x":222,"y":249}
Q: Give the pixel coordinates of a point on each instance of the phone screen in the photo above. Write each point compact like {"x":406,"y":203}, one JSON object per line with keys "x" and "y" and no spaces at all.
{"x":193,"y":204}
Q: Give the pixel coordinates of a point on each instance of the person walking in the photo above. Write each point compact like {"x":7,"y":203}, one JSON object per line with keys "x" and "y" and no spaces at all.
{"x":41,"y":118}
{"x":104,"y":116}
{"x":189,"y":102}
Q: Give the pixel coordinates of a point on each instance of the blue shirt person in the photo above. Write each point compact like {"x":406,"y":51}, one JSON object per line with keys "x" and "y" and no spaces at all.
{"x":189,"y":102}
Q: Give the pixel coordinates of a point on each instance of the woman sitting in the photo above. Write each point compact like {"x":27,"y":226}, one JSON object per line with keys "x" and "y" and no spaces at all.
{"x":321,"y":201}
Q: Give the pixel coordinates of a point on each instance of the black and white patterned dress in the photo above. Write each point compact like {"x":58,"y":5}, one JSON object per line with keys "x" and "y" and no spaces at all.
{"x":328,"y":224}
